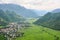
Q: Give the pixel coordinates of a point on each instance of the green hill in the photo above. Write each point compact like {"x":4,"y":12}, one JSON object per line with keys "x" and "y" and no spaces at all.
{"x":8,"y":16}
{"x":26,"y":13}
{"x":50,"y":20}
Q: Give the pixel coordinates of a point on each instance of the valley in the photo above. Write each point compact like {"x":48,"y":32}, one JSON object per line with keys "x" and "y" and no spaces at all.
{"x":35,"y":32}
{"x":20,"y":23}
{"x":40,"y":33}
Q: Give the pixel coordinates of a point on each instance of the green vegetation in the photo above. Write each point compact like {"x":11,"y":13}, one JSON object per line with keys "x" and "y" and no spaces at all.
{"x":20,"y":10}
{"x":1,"y":26}
{"x":36,"y":32}
{"x":43,"y":30}
{"x":9,"y":16}
{"x":39,"y":33}
{"x":2,"y":37}
{"x":50,"y":20}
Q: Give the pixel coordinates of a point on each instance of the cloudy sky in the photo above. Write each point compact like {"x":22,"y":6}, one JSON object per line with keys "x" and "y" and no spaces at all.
{"x":36,"y":4}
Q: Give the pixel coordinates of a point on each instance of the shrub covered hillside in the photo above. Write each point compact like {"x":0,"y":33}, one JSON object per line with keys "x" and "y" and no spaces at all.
{"x":50,"y":20}
{"x":8,"y":16}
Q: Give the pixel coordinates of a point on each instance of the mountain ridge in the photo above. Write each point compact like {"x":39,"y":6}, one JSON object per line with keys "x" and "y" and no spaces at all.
{"x":50,"y":20}
{"x":27,"y":13}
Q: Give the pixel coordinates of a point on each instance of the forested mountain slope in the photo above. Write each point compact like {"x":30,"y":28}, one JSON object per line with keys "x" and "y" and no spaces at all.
{"x":22,"y":11}
{"x":50,"y":20}
{"x":8,"y":16}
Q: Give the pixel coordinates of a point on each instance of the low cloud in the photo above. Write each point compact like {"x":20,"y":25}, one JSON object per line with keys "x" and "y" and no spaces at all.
{"x":35,"y":4}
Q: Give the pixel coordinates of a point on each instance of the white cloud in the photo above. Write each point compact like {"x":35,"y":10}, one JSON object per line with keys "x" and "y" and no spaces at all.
{"x":36,"y":4}
{"x":5,"y":1}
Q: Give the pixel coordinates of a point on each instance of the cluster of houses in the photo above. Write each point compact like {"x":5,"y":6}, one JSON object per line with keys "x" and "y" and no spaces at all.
{"x":11,"y":31}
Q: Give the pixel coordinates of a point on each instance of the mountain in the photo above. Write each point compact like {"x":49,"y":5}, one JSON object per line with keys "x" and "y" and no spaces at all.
{"x":40,"y":12}
{"x":50,"y":20}
{"x":56,"y":10}
{"x":27,"y":13}
{"x":9,"y":16}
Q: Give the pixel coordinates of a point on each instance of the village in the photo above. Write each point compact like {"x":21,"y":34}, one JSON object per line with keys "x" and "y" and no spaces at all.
{"x":13,"y":30}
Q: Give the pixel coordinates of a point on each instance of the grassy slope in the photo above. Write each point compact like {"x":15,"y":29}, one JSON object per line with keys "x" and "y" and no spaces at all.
{"x":40,"y":33}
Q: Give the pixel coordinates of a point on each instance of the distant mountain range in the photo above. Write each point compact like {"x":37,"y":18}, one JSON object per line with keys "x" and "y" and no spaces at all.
{"x":56,"y":10}
{"x":40,"y":12}
{"x":50,"y":20}
{"x":27,"y":13}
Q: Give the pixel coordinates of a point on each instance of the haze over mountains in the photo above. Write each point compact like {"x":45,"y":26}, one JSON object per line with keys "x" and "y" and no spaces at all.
{"x":29,"y":19}
{"x":40,"y":12}
{"x":19,"y":10}
{"x":9,"y":16}
{"x":56,"y":10}
{"x":50,"y":20}
{"x":13,"y":12}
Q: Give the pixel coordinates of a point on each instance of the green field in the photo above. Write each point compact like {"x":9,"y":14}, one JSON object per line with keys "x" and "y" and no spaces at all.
{"x":36,"y":32}
{"x":39,"y":33}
